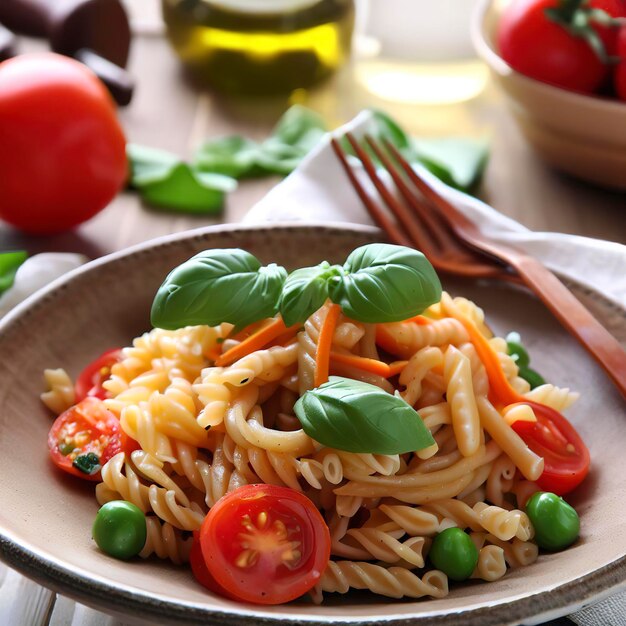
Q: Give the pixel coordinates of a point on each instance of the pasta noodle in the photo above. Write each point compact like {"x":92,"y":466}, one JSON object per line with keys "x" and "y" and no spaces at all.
{"x":204,"y":431}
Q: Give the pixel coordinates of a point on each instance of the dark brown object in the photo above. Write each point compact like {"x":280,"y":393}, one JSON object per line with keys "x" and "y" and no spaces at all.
{"x":7,"y":44}
{"x":117,"y":80}
{"x":100,"y":25}
{"x":463,"y":247}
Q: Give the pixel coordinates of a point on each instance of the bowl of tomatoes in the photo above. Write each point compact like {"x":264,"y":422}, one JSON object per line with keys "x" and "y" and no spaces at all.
{"x":562,"y":67}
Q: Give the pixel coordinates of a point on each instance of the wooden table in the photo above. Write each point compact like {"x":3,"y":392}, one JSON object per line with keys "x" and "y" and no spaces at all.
{"x":167,"y":113}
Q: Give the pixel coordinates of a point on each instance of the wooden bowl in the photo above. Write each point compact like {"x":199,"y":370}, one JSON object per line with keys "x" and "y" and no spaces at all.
{"x":46,"y":517}
{"x":584,"y":136}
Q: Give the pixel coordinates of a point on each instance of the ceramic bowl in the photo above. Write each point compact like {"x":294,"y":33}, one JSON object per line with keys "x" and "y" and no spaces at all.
{"x":46,"y":517}
{"x":584,"y":136}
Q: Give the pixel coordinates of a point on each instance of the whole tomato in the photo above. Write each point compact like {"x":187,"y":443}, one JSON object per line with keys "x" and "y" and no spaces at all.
{"x":547,"y":50}
{"x":62,"y":150}
{"x":620,"y":69}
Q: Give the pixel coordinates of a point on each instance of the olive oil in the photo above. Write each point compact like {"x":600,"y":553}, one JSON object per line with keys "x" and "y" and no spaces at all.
{"x":260,"y":46}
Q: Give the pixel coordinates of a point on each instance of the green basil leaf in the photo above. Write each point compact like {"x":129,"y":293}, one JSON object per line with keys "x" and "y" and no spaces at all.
{"x":305,"y":291}
{"x":9,"y":264}
{"x":458,"y":162}
{"x":148,"y":163}
{"x":166,"y":182}
{"x":215,"y":286}
{"x":385,"y":283}
{"x":358,"y":417}
{"x":233,"y":156}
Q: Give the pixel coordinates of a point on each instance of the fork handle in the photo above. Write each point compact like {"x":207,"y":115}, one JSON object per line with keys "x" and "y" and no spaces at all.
{"x":574,"y":316}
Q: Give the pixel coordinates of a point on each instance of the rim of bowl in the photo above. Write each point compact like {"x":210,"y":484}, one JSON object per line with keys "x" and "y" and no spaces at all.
{"x":101,"y":593}
{"x":485,"y":50}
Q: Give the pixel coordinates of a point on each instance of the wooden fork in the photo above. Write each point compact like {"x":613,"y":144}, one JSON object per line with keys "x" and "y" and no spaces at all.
{"x":454,"y":244}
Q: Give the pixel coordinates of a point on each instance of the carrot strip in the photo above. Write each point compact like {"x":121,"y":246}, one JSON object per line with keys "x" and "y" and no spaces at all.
{"x":286,"y":337}
{"x":421,"y":320}
{"x":500,"y":389}
{"x":324,"y":343}
{"x":379,"y":368}
{"x":396,"y":367}
{"x":253,"y":343}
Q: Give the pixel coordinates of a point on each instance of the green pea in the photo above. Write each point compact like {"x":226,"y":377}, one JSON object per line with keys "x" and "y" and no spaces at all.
{"x":534,"y":378}
{"x":517,"y":350}
{"x":556,"y":522}
{"x":454,"y":553}
{"x":120,"y":529}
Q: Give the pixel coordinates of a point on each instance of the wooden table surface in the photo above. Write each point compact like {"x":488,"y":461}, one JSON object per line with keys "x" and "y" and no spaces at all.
{"x":168,"y":113}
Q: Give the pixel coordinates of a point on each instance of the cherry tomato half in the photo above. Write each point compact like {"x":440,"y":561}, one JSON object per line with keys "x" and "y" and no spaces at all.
{"x":89,"y":382}
{"x":565,"y":455}
{"x":85,"y":437}
{"x":62,"y":149}
{"x":265,"y":544}
{"x":201,"y":571}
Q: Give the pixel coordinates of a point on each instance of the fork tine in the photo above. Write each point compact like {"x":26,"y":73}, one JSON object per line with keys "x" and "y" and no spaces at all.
{"x":451,"y":214}
{"x":379,"y":216}
{"x":440,"y":222}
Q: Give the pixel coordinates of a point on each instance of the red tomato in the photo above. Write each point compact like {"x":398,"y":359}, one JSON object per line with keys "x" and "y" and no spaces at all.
{"x":62,"y":150}
{"x":620,"y":69}
{"x":265,"y":544}
{"x":200,"y":570}
{"x":543,"y":49}
{"x":86,"y":429}
{"x":565,"y":455}
{"x":90,"y":380}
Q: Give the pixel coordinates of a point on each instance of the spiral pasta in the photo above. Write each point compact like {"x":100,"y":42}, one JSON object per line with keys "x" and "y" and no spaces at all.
{"x":205,"y":430}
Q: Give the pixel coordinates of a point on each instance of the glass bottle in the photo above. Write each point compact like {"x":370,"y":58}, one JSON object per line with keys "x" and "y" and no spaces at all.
{"x":260,"y":46}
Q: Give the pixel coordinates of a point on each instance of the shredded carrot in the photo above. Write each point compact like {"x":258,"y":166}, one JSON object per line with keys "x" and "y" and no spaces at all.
{"x":500,"y":390}
{"x":396,"y":367}
{"x":420,"y":319}
{"x":251,"y":329}
{"x":324,"y":343}
{"x":286,"y":337}
{"x":253,"y":343}
{"x":387,"y":342}
{"x":379,"y":368}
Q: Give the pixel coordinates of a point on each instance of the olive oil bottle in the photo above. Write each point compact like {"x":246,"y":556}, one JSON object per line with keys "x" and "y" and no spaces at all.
{"x":260,"y":46}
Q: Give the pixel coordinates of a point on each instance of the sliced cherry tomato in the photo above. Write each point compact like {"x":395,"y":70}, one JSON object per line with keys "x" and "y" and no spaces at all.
{"x":89,"y":383}
{"x":565,"y":455}
{"x":85,"y":437}
{"x":201,"y":571}
{"x":265,"y":544}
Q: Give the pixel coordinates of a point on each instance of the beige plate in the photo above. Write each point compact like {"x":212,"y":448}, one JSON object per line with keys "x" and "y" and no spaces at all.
{"x":45,"y":518}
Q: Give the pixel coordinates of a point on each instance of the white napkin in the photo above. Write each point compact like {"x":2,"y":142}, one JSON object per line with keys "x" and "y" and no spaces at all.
{"x":319,"y":191}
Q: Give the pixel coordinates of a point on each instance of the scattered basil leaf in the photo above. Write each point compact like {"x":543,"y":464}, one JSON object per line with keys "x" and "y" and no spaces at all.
{"x":148,"y":163}
{"x":9,"y":264}
{"x":215,"y":286}
{"x":385,"y":283}
{"x":166,"y":182}
{"x":296,"y":133}
{"x":358,"y":417}
{"x":233,"y":156}
{"x":305,"y":291}
{"x":458,"y":162}
{"x":87,"y":463}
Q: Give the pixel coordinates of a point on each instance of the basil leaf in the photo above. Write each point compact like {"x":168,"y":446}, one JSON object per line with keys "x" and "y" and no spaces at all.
{"x":358,"y":417}
{"x":215,"y":286}
{"x":234,"y":156}
{"x":305,"y":291}
{"x":165,"y":182}
{"x":458,"y":162}
{"x":385,"y":283}
{"x":9,"y":264}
